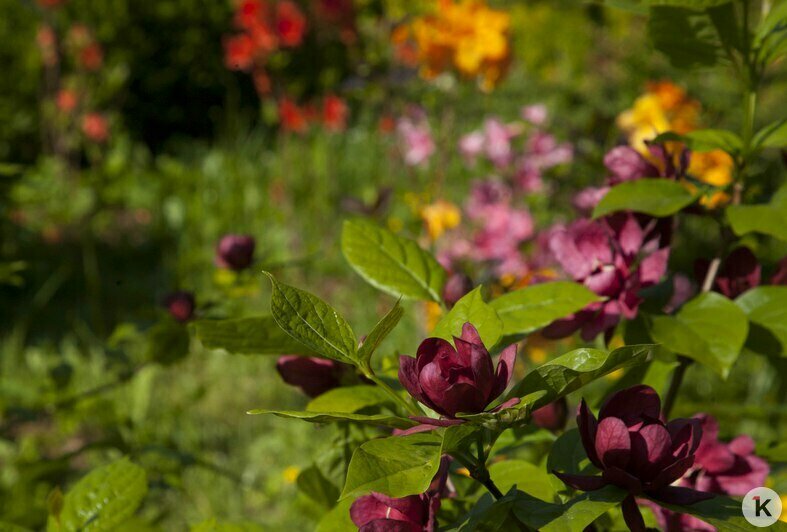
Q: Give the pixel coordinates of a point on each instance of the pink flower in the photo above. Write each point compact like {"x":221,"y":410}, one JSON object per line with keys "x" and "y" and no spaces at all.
{"x":497,"y":142}
{"x":471,"y":146}
{"x":586,"y":199}
{"x":415,"y":139}
{"x":536,"y":114}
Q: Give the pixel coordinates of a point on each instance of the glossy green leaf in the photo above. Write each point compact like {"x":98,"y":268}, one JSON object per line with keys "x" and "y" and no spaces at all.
{"x":392,"y":263}
{"x":722,"y":512}
{"x":338,"y":519}
{"x":471,"y":308}
{"x":703,"y":140}
{"x":766,"y":307}
{"x":657,"y":197}
{"x":102,"y":499}
{"x":311,"y":321}
{"x":685,"y":35}
{"x":568,"y":455}
{"x":528,"y":309}
{"x":766,"y":219}
{"x":378,"y":334}
{"x":249,"y":336}
{"x":572,"y":516}
{"x":529,"y":478}
{"x":396,"y":466}
{"x":774,"y":135}
{"x":377,"y":420}
{"x":575,"y":369}
{"x":348,"y":399}
{"x":710,"y":329}
{"x":312,"y":483}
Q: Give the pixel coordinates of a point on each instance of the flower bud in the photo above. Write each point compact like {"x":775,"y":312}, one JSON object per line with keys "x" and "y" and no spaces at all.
{"x":180,"y":305}
{"x":456,"y":287}
{"x":314,"y":376}
{"x":553,"y":416}
{"x":235,"y":252}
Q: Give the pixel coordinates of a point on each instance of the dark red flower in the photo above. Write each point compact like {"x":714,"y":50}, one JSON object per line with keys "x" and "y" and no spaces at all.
{"x":235,"y":252}
{"x":637,"y":452}
{"x":552,"y":416}
{"x":739,"y":272}
{"x":314,"y":376}
{"x":614,"y":257}
{"x":239,"y":52}
{"x":461,"y":379}
{"x":457,"y":285}
{"x":415,"y":513}
{"x":290,"y":23}
{"x":180,"y":305}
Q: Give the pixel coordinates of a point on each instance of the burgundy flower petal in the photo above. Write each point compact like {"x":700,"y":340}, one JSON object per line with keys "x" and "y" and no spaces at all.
{"x":715,"y":458}
{"x":581,"y":482}
{"x":613,"y":443}
{"x":408,"y":376}
{"x":679,"y":495}
{"x":630,"y":234}
{"x":477,"y":358}
{"x":588,"y":427}
{"x":430,"y":349}
{"x":377,"y":506}
{"x":686,"y":435}
{"x":505,"y":370}
{"x":673,"y":472}
{"x":742,"y":445}
{"x":653,"y":267}
{"x":564,"y":327}
{"x":568,"y":255}
{"x":389,"y":525}
{"x":632,"y":403}
{"x":748,"y":473}
{"x":470,"y":334}
{"x":551,"y":416}
{"x":622,"y":479}
{"x":314,"y":376}
{"x":632,"y":515}
{"x":507,"y":404}
{"x":651,"y":446}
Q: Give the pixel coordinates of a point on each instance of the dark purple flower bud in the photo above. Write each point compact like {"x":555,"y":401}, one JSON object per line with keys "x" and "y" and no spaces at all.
{"x":314,"y":376}
{"x":180,"y":305}
{"x":461,"y":379}
{"x":780,"y":275}
{"x":456,"y":287}
{"x":636,"y":451}
{"x":235,"y":252}
{"x":626,"y":164}
{"x":552,"y":416}
{"x":739,"y":272}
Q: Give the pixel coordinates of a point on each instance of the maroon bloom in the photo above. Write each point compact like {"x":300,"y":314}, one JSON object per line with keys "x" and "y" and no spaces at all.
{"x":314,"y":376}
{"x":416,"y":513}
{"x":180,"y":305}
{"x":637,"y":452}
{"x":739,"y":272}
{"x":457,"y":285}
{"x":552,"y":416}
{"x":615,"y":257}
{"x":235,"y":252}
{"x":450,"y":380}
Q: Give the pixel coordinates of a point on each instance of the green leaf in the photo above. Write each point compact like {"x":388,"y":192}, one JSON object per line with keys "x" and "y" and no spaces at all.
{"x":249,"y":336}
{"x":568,"y":455}
{"x":102,"y":499}
{"x":348,"y":399}
{"x":766,"y":307}
{"x":528,"y":309}
{"x":471,"y":308}
{"x":722,"y":512}
{"x":774,"y":135}
{"x":396,"y":466}
{"x":311,"y":321}
{"x":378,"y":334}
{"x":686,"y":36}
{"x":657,"y":197}
{"x":575,"y":369}
{"x":338,"y":519}
{"x":168,"y":342}
{"x":211,"y":525}
{"x":573,"y":516}
{"x":377,"y":420}
{"x":392,"y":263}
{"x":527,"y":477}
{"x":317,"y":487}
{"x":710,"y":329}
{"x":765,"y":219}
{"x":770,"y":40}
{"x":703,"y":140}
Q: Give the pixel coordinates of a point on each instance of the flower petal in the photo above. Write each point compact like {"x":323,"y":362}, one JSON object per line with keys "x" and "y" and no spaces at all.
{"x":632,"y":515}
{"x":408,"y":376}
{"x":613,"y":443}
{"x":505,"y":370}
{"x":581,"y":482}
{"x":650,"y":447}
{"x":680,"y":495}
{"x":631,"y":403}
{"x":588,"y":426}
{"x":430,"y":348}
{"x":673,"y":472}
{"x":622,"y":479}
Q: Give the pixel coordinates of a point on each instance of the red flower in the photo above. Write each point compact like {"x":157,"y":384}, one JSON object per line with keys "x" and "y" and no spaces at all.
{"x":91,"y":57}
{"x":334,"y":113}
{"x":292,"y":117}
{"x":66,"y":100}
{"x":290,"y":23}
{"x":239,"y":52}
{"x":180,"y":305}
{"x":95,"y":127}
{"x":250,"y":13}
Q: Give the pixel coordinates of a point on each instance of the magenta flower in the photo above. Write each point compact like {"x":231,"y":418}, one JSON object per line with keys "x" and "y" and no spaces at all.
{"x":536,"y":114}
{"x":235,"y":252}
{"x":586,"y":199}
{"x":415,"y":138}
{"x":615,"y":257}
{"x":459,"y":378}
{"x":180,"y":305}
{"x":497,"y":142}
{"x":552,"y":416}
{"x":627,"y":164}
{"x":637,"y":452}
{"x":542,"y":152}
{"x":739,"y":272}
{"x":314,"y":376}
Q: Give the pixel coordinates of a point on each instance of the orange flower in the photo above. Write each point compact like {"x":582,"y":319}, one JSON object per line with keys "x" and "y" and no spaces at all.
{"x":95,"y":127}
{"x":239,"y":52}
{"x":66,"y":100}
{"x":290,"y":23}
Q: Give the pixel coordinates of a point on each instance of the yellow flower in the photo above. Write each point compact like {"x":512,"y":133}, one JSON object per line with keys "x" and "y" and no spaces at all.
{"x":465,"y":35}
{"x":714,"y":168}
{"x":433,"y":314}
{"x":290,"y":474}
{"x":440,"y":217}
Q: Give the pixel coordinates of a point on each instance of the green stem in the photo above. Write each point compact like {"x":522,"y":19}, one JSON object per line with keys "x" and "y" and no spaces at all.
{"x":479,"y":473}
{"x":409,"y":407}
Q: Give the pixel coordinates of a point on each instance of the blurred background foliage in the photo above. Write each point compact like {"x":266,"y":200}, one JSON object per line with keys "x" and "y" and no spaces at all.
{"x":94,"y":233}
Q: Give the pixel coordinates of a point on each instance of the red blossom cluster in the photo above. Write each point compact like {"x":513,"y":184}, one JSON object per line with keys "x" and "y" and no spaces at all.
{"x":331,"y":113}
